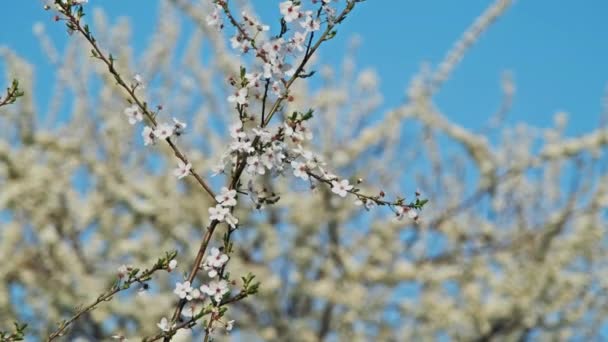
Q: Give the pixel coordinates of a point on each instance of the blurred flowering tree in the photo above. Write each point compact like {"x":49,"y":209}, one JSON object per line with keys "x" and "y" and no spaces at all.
{"x":228,"y":196}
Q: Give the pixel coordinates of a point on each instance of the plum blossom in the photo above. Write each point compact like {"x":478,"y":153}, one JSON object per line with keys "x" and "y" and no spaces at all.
{"x":229,"y":325}
{"x":327,"y":174}
{"x":310,"y":24}
{"x":273,"y":158}
{"x":211,"y":271}
{"x":368,"y":204}
{"x":238,"y":42}
{"x":252,"y":22}
{"x":242,"y":146}
{"x":216,"y":289}
{"x":183,"y":290}
{"x":265,"y":136}
{"x":298,"y":40}
{"x":218,"y":212}
{"x":240,"y":96}
{"x":163,"y":324}
{"x":216,"y":258}
{"x":227,"y":197}
{"x":341,"y":188}
{"x":163,"y":131}
{"x":277,"y":88}
{"x":255,"y":166}
{"x":289,"y":11}
{"x":231,"y":220}
{"x":139,"y":82}
{"x":182,"y":170}
{"x":214,"y":19}
{"x":178,"y":127}
{"x":299,"y":170}
{"x":134,"y":114}
{"x":172,"y":265}
{"x":214,"y":261}
{"x":402,"y":211}
{"x":297,"y":132}
{"x":236,"y":131}
{"x":148,"y":134}
{"x":306,"y":154}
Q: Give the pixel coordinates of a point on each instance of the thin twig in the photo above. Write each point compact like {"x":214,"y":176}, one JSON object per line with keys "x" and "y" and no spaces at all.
{"x":107,"y":296}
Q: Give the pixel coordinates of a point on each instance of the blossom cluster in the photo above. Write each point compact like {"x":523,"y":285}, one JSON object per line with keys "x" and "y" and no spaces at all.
{"x":161,"y":131}
{"x":215,"y":290}
{"x":278,"y":54}
{"x":263,"y":149}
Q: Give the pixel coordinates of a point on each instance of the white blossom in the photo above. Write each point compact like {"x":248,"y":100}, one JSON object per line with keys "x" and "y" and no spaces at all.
{"x":214,"y":18}
{"x":240,"y":96}
{"x":163,"y":131}
{"x":229,"y":325}
{"x":138,"y":80}
{"x":402,"y":211}
{"x":182,"y":170}
{"x":298,"y":40}
{"x":254,"y":166}
{"x":216,"y":289}
{"x":134,"y":114}
{"x":172,"y":265}
{"x":149,"y":137}
{"x":311,"y":24}
{"x":289,"y":11}
{"x":216,"y":258}
{"x":183,"y":290}
{"x":227,"y":197}
{"x":299,"y":170}
{"x":341,"y":188}
{"x":163,"y":324}
{"x":218,"y":212}
{"x":236,"y":131}
{"x":231,"y":220}
{"x":178,"y":126}
{"x":214,"y":261}
{"x":265,"y":136}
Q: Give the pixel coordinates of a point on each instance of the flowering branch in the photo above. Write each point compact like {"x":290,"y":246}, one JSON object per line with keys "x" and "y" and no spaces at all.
{"x":249,"y":288}
{"x":74,"y":24}
{"x":133,"y":276}
{"x":253,"y":154}
{"x":241,"y":164}
{"x":399,"y":206}
{"x":326,"y":35}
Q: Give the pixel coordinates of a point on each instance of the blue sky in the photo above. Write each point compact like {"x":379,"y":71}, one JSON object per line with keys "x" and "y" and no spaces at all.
{"x":557,"y":54}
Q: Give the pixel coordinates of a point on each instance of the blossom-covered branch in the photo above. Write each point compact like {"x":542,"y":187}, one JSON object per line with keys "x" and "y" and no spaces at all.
{"x":272,"y":54}
{"x":131,"y":276}
{"x":74,"y":12}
